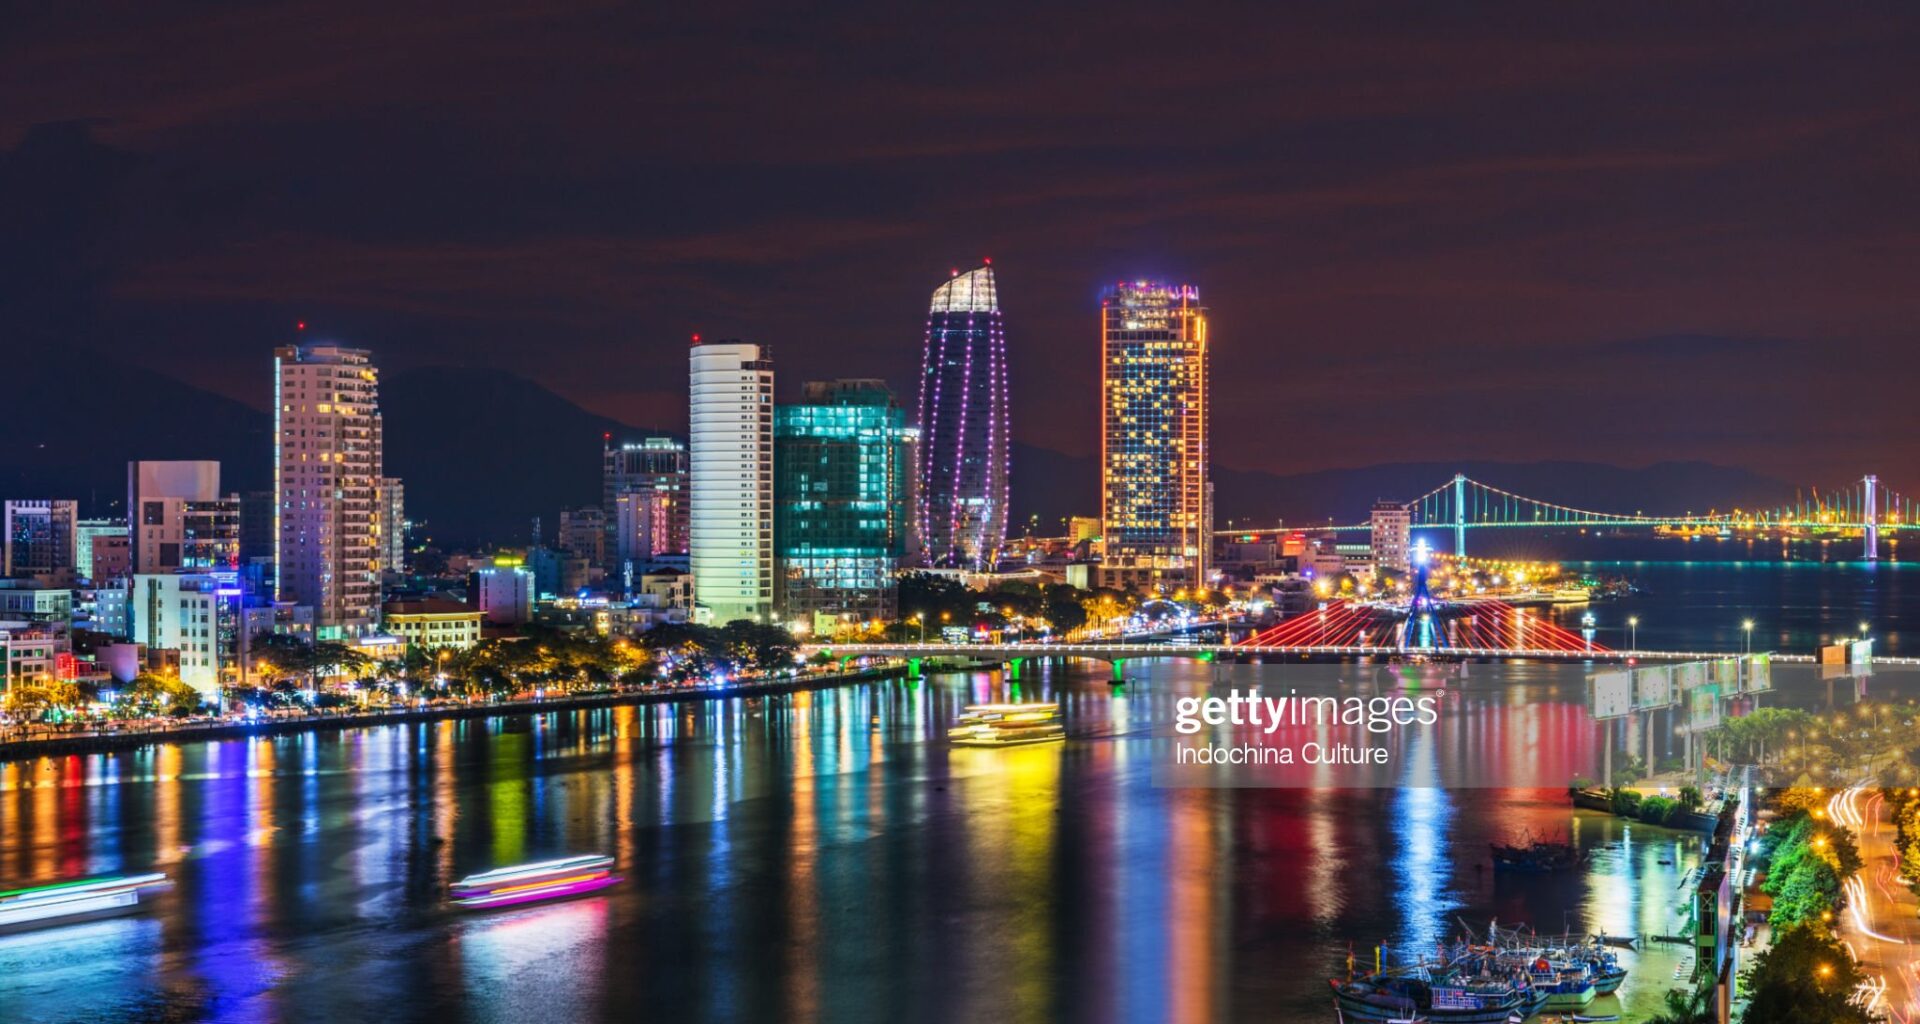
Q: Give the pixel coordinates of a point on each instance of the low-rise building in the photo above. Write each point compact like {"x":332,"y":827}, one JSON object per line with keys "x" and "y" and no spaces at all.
{"x":504,"y":592}
{"x":27,"y":601}
{"x":198,"y":614}
{"x":433,"y":623}
{"x":100,"y":549}
{"x":29,"y":653}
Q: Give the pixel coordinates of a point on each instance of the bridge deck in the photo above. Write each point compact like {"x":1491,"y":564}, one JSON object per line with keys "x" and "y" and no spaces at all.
{"x":1115,"y":651}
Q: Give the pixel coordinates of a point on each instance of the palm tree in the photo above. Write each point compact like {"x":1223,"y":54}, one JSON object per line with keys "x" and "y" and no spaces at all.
{"x":1684,"y":1007}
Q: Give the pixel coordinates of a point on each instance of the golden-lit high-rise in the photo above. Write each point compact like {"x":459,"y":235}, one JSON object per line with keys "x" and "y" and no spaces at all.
{"x":1156,"y":498}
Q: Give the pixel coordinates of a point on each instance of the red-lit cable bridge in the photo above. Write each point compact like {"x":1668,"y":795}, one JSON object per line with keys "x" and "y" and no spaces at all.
{"x":1479,"y":626}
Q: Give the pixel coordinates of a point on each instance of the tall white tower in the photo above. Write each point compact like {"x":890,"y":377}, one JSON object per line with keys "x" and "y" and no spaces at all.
{"x":730,"y":444}
{"x":327,"y":456}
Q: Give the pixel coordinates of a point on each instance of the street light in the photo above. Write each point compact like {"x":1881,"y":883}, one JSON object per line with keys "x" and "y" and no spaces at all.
{"x":1633,"y":632}
{"x":921,"y":618}
{"x":1747,"y":628}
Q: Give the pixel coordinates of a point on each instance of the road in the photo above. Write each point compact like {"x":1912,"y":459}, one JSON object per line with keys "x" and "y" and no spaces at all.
{"x":1882,"y":920}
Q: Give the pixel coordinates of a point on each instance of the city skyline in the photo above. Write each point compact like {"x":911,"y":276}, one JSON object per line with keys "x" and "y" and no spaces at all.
{"x":583,"y":511}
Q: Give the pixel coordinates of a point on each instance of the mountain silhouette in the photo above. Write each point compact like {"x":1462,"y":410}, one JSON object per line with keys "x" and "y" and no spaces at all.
{"x":484,"y":451}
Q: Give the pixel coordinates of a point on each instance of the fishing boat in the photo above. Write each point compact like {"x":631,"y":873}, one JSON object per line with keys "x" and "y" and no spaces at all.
{"x":528,"y":883}
{"x":1007,"y":725}
{"x":1469,"y":988}
{"x":1534,"y":856}
{"x":1599,"y":963}
{"x":1567,"y":984}
{"x":78,"y":900}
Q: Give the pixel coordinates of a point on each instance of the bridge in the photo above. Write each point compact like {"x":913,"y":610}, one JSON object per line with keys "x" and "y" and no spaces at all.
{"x":1119,"y":655}
{"x":1461,"y":504}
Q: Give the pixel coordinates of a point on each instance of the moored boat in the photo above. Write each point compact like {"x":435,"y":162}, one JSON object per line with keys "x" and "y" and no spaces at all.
{"x":1568,"y":985}
{"x":1600,"y":965}
{"x":1473,"y":989}
{"x":527,"y":883}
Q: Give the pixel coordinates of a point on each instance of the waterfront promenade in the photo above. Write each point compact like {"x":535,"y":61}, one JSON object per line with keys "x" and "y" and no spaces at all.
{"x":52,"y":741}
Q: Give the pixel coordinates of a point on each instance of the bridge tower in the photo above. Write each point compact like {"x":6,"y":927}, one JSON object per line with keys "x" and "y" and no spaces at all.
{"x":1871,"y":517}
{"x":1420,"y":630}
{"x":1459,"y":515}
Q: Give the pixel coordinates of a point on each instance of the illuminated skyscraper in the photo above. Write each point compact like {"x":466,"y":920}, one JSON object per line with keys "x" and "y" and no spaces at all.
{"x":327,"y":462}
{"x":730,"y":445}
{"x":840,"y":487}
{"x":1156,"y":496}
{"x":960,"y":514}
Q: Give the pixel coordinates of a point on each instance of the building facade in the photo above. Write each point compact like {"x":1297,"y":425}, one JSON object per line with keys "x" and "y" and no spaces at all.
{"x":39,"y":539}
{"x":29,"y":654}
{"x":1156,"y":494}
{"x":433,"y":623}
{"x":1392,"y":528}
{"x":393,"y":525}
{"x":583,"y":532}
{"x":964,"y":418}
{"x":504,"y":593}
{"x":840,"y":492}
{"x":87,"y":534}
{"x":197,"y":614}
{"x":181,"y":522}
{"x":645,"y":527}
{"x":658,"y":468}
{"x":27,"y":602}
{"x":730,"y":459}
{"x":327,"y":460}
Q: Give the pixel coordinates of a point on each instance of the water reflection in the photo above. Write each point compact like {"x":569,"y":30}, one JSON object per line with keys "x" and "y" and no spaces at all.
{"x":818,"y":855}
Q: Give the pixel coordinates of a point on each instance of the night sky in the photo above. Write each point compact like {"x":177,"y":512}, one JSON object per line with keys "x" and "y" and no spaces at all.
{"x":1519,"y":234}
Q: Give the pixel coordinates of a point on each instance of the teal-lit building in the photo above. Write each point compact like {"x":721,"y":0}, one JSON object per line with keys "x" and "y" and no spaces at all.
{"x":842,"y":463}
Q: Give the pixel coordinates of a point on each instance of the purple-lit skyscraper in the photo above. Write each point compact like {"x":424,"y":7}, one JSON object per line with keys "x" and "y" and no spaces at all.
{"x":960,"y":513}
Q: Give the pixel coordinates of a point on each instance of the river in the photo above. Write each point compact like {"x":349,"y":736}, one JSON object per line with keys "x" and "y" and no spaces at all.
{"x":829,"y":855}
{"x":820,"y":854}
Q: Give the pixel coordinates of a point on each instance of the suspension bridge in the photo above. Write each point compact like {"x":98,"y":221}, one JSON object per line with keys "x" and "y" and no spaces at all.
{"x":1862,"y":508}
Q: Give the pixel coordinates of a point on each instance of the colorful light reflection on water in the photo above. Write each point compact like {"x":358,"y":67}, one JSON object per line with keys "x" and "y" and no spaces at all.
{"x":818,"y":855}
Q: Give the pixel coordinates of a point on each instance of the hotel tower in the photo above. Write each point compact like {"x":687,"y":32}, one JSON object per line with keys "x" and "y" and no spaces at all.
{"x":1156,"y":498}
{"x":730,"y":452}
{"x":960,"y":507}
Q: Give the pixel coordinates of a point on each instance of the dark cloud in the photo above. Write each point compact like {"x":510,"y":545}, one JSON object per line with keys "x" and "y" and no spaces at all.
{"x":1424,"y":234}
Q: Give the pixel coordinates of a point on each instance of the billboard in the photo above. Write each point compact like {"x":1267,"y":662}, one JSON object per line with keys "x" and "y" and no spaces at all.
{"x":1612,"y":694}
{"x":1689,"y":677}
{"x":1759,"y":673}
{"x":1725,"y":673}
{"x":1653,"y":687}
{"x":1703,"y":708}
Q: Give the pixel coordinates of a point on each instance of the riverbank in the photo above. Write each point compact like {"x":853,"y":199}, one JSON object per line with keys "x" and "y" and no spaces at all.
{"x":95,"y":742}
